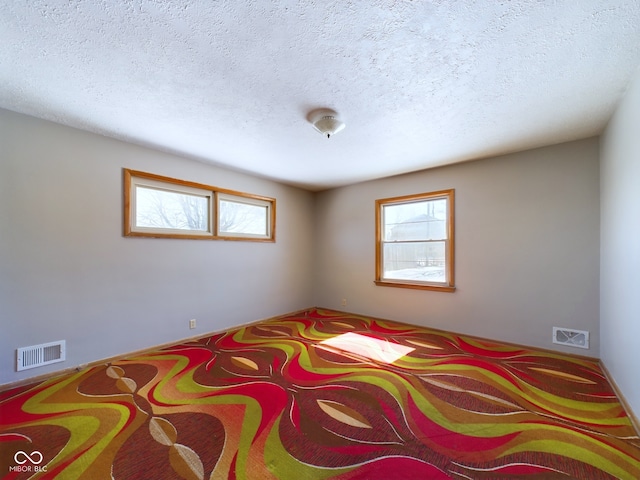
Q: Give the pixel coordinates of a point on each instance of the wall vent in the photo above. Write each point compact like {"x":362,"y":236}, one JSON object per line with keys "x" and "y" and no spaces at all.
{"x":39,"y":355}
{"x":570,"y":337}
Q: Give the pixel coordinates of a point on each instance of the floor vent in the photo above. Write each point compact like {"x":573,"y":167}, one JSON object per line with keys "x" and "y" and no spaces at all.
{"x":39,"y":355}
{"x":570,"y":337}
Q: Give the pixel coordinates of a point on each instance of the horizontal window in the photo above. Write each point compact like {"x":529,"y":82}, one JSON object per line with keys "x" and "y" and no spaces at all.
{"x":243,"y":217}
{"x":156,"y":206}
{"x":160,"y":207}
{"x":414,"y":241}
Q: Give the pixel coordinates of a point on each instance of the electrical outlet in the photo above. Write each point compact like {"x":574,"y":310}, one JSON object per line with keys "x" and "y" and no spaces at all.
{"x":343,"y":302}
{"x":192,"y":323}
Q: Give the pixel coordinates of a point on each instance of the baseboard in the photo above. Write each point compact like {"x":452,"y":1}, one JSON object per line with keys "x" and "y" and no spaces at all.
{"x":58,"y":373}
{"x":476,"y":337}
{"x":50,"y":375}
{"x":623,"y":401}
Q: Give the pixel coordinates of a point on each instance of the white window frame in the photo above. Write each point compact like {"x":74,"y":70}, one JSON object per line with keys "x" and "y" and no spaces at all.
{"x":252,"y":200}
{"x":448,"y":285}
{"x":172,"y":188}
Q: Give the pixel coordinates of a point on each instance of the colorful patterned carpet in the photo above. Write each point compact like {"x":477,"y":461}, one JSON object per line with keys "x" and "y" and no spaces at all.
{"x":323,"y":395}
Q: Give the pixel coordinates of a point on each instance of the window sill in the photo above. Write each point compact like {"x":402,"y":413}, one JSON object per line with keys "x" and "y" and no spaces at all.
{"x":416,"y":286}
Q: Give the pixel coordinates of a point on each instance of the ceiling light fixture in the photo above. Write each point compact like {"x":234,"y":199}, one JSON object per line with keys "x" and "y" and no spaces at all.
{"x":325,"y":121}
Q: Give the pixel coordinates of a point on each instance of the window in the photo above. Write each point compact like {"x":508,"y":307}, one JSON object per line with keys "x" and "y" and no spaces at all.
{"x":156,"y":206}
{"x":163,"y":208}
{"x":243,"y":216}
{"x":414,"y":241}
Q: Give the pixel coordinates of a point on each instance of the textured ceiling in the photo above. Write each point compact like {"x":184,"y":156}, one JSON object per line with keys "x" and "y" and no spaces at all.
{"x":418,"y":83}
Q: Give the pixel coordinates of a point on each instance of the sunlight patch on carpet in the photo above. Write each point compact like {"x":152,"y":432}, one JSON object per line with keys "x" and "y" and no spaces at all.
{"x":369,"y":347}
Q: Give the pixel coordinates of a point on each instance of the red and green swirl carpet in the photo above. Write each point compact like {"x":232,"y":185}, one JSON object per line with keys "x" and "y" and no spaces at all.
{"x":323,"y":395}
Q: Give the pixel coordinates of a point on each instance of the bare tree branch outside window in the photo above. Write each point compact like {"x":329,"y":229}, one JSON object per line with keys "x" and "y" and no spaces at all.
{"x":165,"y":209}
{"x":242,"y":217}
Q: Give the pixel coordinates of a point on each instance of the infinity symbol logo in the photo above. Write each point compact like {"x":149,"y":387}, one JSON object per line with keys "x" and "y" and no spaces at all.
{"x":27,"y":457}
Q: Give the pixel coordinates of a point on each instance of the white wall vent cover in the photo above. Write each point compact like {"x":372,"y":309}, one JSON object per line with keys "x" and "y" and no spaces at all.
{"x":39,"y":355}
{"x":570,"y":337}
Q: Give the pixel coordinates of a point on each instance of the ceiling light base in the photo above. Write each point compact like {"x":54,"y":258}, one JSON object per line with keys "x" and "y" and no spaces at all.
{"x":326,"y":122}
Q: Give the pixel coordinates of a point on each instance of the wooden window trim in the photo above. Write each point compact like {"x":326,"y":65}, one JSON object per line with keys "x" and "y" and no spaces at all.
{"x":129,"y":175}
{"x":449,"y":286}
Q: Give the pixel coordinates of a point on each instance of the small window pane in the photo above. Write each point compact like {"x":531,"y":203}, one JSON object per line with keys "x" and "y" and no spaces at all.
{"x":158,"y":208}
{"x":243,"y":218}
{"x":415,"y":261}
{"x":426,"y":220}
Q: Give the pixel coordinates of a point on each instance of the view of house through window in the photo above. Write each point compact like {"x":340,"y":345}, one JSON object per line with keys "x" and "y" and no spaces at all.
{"x":158,"y":206}
{"x":415,"y":241}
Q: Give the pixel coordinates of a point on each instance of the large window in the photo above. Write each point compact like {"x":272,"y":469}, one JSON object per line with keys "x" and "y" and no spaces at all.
{"x":156,"y":206}
{"x":414,"y":241}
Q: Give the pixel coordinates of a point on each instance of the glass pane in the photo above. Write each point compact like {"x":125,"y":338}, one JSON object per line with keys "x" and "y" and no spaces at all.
{"x":156,"y":208}
{"x":415,"y":261}
{"x":246,"y":218}
{"x":425,"y":220}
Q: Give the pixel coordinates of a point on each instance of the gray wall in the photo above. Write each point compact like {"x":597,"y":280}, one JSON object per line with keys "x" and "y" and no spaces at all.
{"x":66,"y":271}
{"x":620,"y":251}
{"x":527,"y":247}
